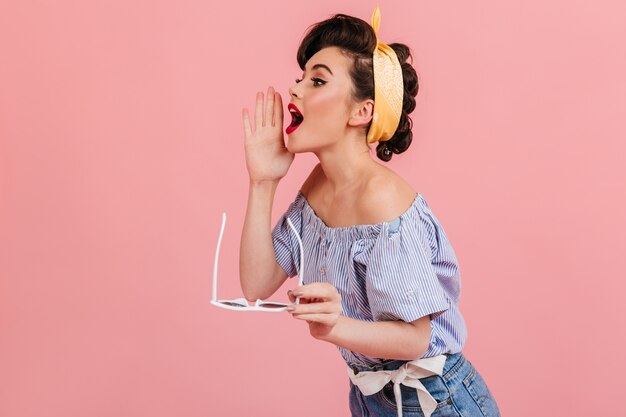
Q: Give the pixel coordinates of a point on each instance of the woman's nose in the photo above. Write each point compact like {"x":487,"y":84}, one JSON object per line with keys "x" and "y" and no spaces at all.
{"x":292,"y":91}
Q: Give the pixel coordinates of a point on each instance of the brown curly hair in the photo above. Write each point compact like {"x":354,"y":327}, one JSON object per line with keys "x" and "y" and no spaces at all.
{"x":357,"y":39}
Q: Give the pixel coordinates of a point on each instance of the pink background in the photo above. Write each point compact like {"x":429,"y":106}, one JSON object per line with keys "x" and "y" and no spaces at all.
{"x":121,"y":143}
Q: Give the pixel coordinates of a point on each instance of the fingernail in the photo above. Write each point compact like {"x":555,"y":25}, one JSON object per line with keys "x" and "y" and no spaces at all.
{"x":298,"y":293}
{"x":291,"y":308}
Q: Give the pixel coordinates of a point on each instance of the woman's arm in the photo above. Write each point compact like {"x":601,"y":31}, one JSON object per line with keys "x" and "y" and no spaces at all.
{"x":320,"y":306}
{"x":382,"y":339}
{"x":267,"y":161}
{"x":260,"y":274}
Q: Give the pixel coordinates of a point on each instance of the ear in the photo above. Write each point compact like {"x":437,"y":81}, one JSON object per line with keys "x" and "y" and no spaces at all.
{"x":361,"y":113}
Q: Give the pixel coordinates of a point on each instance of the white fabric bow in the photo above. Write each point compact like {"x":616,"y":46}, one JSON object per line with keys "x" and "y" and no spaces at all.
{"x":409,"y":374}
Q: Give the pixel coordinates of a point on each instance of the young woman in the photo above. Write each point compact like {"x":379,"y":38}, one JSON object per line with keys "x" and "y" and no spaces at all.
{"x":382,"y":282}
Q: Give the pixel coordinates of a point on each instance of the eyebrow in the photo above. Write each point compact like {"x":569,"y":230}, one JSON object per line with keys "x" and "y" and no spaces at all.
{"x":321,"y":66}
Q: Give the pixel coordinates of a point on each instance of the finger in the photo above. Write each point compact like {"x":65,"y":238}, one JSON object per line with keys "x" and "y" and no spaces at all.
{"x":298,"y":294}
{"x":322,"y":290}
{"x":246,"y":123}
{"x":292,"y":297}
{"x":306,"y":300}
{"x":278,"y":111}
{"x":319,"y":318}
{"x":269,"y":108}
{"x":325,"y":307}
{"x":259,"y":110}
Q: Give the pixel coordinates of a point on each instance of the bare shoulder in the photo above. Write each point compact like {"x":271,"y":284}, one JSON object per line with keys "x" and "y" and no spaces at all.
{"x":312,"y":179}
{"x":386,"y":197}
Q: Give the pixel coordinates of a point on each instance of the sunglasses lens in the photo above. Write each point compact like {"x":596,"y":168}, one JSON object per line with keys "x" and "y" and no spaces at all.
{"x":233,"y":304}
{"x":273,"y":305}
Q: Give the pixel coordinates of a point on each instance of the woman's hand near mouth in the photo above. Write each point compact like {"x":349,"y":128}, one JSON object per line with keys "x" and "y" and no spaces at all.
{"x":267,"y":158}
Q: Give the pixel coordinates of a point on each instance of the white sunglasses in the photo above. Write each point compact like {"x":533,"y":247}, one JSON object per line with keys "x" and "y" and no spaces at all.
{"x":241,"y":304}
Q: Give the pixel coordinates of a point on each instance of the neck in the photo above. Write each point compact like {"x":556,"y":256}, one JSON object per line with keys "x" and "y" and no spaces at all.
{"x":347,"y":165}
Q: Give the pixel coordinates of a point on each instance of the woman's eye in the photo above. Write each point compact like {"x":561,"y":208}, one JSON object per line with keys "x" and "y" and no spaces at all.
{"x":315,"y":81}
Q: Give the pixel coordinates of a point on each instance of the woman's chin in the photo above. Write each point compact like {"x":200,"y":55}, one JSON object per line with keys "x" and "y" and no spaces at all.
{"x":291,"y":147}
{"x":292,"y":142}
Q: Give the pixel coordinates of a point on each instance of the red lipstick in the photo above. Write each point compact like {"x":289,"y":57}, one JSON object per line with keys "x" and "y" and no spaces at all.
{"x":296,"y":118}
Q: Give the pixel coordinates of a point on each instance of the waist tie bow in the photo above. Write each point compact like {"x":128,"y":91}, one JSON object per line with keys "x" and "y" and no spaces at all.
{"x":409,"y":374}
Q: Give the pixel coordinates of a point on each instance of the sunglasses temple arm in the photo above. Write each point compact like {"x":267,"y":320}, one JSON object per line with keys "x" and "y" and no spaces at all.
{"x":217,"y":255}
{"x":301,"y":270}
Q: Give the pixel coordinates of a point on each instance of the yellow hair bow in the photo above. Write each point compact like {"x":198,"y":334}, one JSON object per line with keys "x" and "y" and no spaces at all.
{"x":388,"y":89}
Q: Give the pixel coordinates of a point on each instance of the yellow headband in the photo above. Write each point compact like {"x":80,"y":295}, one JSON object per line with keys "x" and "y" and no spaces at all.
{"x":388,"y":89}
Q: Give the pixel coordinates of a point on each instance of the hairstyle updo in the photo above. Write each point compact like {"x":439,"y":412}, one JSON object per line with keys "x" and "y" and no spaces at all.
{"x":357,"y":39}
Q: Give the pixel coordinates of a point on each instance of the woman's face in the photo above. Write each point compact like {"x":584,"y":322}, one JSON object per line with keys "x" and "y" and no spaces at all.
{"x":323,"y":97}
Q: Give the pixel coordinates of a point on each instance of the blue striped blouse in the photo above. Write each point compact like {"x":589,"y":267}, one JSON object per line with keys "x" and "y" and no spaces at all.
{"x":403,"y":269}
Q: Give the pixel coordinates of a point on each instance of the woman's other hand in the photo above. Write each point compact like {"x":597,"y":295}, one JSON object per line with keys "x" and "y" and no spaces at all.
{"x":320,"y":306}
{"x":267,"y":158}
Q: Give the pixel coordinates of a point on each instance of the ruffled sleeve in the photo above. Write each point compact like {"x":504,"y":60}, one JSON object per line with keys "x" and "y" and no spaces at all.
{"x":286,"y":247}
{"x":401,"y":282}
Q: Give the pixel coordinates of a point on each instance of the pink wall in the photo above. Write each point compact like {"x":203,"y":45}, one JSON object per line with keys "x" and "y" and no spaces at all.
{"x":121,"y":143}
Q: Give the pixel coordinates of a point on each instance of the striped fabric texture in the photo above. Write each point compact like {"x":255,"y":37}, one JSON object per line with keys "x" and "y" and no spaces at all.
{"x":403,"y":269}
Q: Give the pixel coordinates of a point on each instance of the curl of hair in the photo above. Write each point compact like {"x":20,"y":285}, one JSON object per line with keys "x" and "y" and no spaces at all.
{"x":357,"y":39}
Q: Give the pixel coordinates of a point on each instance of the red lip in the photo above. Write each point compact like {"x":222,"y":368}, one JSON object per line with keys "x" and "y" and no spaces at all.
{"x":293,"y":106}
{"x":291,"y":127}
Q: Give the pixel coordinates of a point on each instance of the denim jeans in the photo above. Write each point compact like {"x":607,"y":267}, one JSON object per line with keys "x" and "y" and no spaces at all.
{"x":459,"y":392}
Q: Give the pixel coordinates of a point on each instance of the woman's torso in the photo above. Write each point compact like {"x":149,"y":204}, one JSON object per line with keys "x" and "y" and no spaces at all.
{"x":342,"y":236}
{"x":358,"y":205}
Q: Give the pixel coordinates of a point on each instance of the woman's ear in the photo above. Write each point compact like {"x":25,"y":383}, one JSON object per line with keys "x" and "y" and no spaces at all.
{"x":361,"y":113}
